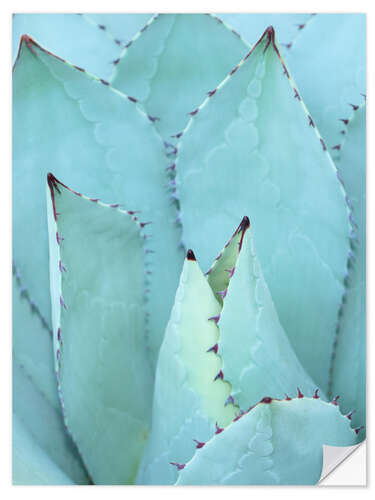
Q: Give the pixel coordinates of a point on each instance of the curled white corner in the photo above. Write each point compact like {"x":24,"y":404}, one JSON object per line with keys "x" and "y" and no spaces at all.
{"x":350,"y":473}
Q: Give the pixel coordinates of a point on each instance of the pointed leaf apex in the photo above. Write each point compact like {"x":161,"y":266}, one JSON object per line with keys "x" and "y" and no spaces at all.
{"x":245,"y":223}
{"x":190,"y":255}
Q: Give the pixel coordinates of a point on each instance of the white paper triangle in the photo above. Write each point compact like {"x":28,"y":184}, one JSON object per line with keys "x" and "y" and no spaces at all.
{"x":344,"y":465}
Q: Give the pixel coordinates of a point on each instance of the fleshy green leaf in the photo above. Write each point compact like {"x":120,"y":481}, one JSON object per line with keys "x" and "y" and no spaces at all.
{"x":252,"y":148}
{"x":30,"y":464}
{"x":276,"y":442}
{"x":257,"y":356}
{"x":329,"y":84}
{"x":349,"y":365}
{"x":35,"y":400}
{"x":99,"y":140}
{"x":189,"y":396}
{"x":172,"y":65}
{"x":97,"y":287}
{"x":287,"y":26}
{"x":45,"y":425}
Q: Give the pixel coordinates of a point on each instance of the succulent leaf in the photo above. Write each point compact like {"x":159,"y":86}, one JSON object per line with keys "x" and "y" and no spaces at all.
{"x":65,"y":114}
{"x":276,"y":442}
{"x":265,"y":158}
{"x":349,"y":363}
{"x":80,"y":38}
{"x":287,"y":26}
{"x":329,"y":85}
{"x":44,"y":423}
{"x":189,"y":398}
{"x":256,"y":353}
{"x":97,"y":289}
{"x":30,"y":464}
{"x":172,"y":65}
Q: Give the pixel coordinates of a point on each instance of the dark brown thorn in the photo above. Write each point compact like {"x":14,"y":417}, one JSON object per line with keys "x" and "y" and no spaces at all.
{"x":354,"y":106}
{"x":190,"y":255}
{"x":323,"y":144}
{"x":337,"y":147}
{"x":349,"y":415}
{"x":153,"y":118}
{"x":235,"y":33}
{"x":177,"y":136}
{"x":128,"y":44}
{"x":218,"y":429}
{"x":211,"y":92}
{"x":286,"y":72}
{"x":101,"y":27}
{"x":179,"y":466}
{"x":171,"y":167}
{"x":300,"y":395}
{"x":192,"y":113}
{"x":214,"y":348}
{"x":267,"y":400}
{"x":200,"y":444}
{"x":300,"y":26}
{"x":311,"y":121}
{"x":118,"y":42}
{"x":215,"y":318}
{"x":358,"y":429}
{"x":219,"y":375}
{"x":334,"y":401}
{"x":316,"y":395}
{"x":144,"y":28}
{"x":288,"y":45}
{"x":344,"y":120}
{"x":132,"y":99}
{"x":104,"y":82}
{"x":80,"y":69}
{"x":234,"y":70}
{"x":116,"y":61}
{"x":296,"y":94}
{"x":229,"y":400}
{"x":287,"y":398}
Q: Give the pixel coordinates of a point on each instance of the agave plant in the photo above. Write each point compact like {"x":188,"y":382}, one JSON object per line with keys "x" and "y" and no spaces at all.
{"x":178,"y":366}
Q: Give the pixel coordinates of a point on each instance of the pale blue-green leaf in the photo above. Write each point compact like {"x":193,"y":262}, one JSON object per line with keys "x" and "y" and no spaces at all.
{"x":257,"y":356}
{"x":249,"y":26}
{"x":95,"y":139}
{"x":32,"y":344}
{"x":330,"y":83}
{"x":251,"y":149}
{"x":30,"y":464}
{"x":45,"y":425}
{"x":97,"y":288}
{"x":172,"y":65}
{"x":349,"y":365}
{"x":278,"y":442}
{"x":70,"y":36}
{"x":188,"y":401}
{"x":120,"y":27}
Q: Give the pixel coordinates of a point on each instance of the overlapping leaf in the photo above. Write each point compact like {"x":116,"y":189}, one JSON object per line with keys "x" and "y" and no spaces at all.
{"x":253,"y":148}
{"x":190,"y":395}
{"x":97,"y":289}
{"x":172,"y":65}
{"x":276,"y":442}
{"x":349,"y":365}
{"x":99,"y":140}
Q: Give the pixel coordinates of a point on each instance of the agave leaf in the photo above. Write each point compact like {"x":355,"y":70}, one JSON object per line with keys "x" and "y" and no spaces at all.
{"x":264,"y":157}
{"x":287,"y":26}
{"x":189,"y":396}
{"x":97,"y":286}
{"x":72,"y":37}
{"x":65,"y":115}
{"x":276,"y":442}
{"x":120,"y":27}
{"x":349,"y":364}
{"x":172,"y":65}
{"x":30,"y":464}
{"x":32,"y":347}
{"x":44,"y":423}
{"x":329,"y":85}
{"x":256,"y":353}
